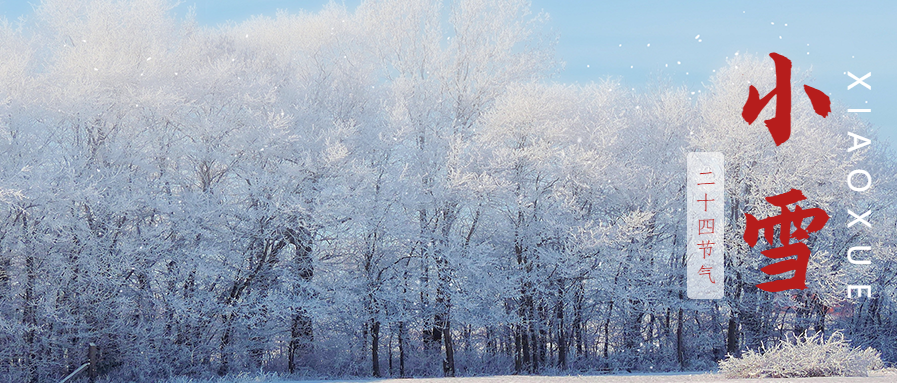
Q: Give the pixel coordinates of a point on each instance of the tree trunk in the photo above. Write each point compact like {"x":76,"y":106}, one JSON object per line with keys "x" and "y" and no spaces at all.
{"x":225,"y":342}
{"x":610,"y":311}
{"x":820,"y":318}
{"x":442,"y":319}
{"x":301,"y":338}
{"x":402,"y":349}
{"x":560,"y":333}
{"x":581,"y":350}
{"x":525,"y":337}
{"x":389,"y":348}
{"x":29,"y":319}
{"x":526,"y":361}
{"x":680,"y":348}
{"x":732,"y":336}
{"x":448,"y":367}
{"x":301,"y":330}
{"x":542,"y":338}
{"x":375,"y":348}
{"x":518,"y":349}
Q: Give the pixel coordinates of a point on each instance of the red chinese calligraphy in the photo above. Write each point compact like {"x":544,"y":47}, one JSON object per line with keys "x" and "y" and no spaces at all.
{"x":705,"y":226}
{"x":706,"y":271}
{"x":706,"y":183}
{"x":780,"y":125}
{"x":706,"y":247}
{"x":799,"y":250}
{"x":705,"y":200}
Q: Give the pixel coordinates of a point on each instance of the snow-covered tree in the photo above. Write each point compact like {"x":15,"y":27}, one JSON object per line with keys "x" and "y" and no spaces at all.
{"x":398,"y":190}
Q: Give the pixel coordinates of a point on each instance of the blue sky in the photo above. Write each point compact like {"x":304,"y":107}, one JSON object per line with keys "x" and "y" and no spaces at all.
{"x":688,"y":40}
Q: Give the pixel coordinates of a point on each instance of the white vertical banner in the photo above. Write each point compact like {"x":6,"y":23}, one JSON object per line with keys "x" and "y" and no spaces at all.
{"x":706,"y":226}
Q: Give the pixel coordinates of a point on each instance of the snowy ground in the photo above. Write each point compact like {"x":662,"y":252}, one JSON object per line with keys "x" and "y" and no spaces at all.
{"x":886,"y":375}
{"x":877,"y":376}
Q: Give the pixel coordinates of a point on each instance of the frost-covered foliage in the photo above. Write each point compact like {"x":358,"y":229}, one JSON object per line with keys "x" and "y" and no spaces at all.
{"x":391,"y":191}
{"x":803,"y":356}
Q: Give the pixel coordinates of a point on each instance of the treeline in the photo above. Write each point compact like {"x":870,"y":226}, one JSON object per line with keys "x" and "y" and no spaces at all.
{"x":394,"y":191}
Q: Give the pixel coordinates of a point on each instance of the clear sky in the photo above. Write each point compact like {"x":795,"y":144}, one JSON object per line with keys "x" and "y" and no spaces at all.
{"x":685,"y":41}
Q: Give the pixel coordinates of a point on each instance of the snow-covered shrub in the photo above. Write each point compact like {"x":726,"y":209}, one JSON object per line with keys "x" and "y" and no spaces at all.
{"x":803,"y":356}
